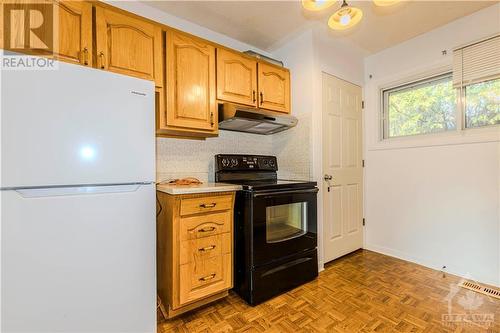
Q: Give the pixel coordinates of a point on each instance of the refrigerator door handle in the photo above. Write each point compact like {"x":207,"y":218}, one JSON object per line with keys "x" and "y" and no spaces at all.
{"x":77,"y":190}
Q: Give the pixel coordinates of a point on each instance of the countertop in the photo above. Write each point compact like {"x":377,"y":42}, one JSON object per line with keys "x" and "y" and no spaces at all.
{"x":199,"y":188}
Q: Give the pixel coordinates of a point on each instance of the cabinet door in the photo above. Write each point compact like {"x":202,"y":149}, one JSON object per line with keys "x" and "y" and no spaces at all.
{"x":274,"y":88}
{"x":128,"y":45}
{"x":70,"y":39}
{"x":74,"y":39}
{"x":190,"y":83}
{"x":236,"y":78}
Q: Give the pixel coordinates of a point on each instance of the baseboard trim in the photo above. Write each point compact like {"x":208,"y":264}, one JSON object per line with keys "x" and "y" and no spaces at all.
{"x":429,"y":264}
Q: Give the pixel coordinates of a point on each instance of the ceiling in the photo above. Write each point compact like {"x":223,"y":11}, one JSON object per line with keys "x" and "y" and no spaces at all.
{"x":269,"y":24}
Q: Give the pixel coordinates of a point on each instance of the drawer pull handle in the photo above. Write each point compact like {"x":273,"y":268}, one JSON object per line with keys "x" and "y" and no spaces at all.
{"x":210,"y":205}
{"x":207,"y":229}
{"x":101,"y":58}
{"x":205,"y":249}
{"x":207,"y":278}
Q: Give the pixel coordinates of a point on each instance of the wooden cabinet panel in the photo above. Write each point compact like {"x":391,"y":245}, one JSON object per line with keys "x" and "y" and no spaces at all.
{"x":204,"y":278}
{"x":195,"y":250}
{"x":274,"y":88}
{"x":199,"y":226}
{"x":71,"y":37}
{"x":236,"y":78}
{"x":190,"y":83}
{"x":128,"y":45}
{"x":205,"y":204}
{"x":74,"y":39}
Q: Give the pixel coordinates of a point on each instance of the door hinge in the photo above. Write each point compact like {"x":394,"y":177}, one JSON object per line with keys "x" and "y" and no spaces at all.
{"x":363,"y":163}
{"x":362,"y":104}
{"x":364,"y":221}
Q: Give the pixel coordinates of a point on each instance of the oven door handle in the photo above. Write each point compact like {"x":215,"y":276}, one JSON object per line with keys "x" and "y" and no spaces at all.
{"x":306,"y":191}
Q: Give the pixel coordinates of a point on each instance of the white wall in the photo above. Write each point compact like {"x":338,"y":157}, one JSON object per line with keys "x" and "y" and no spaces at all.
{"x":307,"y":56}
{"x":433,"y":200}
{"x":292,"y":147}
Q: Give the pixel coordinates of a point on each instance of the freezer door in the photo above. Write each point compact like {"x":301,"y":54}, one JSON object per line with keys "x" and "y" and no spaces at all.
{"x":74,"y":262}
{"x":75,"y":125}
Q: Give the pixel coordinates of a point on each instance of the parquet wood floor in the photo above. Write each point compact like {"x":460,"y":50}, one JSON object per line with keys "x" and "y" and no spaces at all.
{"x":361,"y":292}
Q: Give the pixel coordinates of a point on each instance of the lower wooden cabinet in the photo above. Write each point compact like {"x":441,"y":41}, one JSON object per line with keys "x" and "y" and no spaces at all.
{"x":194,"y":249}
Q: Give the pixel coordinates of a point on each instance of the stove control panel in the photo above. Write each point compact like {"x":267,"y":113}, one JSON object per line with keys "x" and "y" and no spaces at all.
{"x":245,"y":162}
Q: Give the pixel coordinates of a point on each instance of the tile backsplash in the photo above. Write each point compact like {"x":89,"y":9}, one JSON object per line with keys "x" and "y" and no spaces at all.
{"x":179,"y":158}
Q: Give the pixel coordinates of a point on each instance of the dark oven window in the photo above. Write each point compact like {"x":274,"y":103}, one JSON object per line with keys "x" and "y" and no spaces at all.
{"x":284,"y":222}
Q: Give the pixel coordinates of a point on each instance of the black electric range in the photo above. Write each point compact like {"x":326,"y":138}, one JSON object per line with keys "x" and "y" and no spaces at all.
{"x":275,"y":227}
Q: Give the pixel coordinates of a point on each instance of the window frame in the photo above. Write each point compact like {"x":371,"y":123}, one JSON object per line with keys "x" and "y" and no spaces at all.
{"x":384,"y":116}
{"x":487,"y":133}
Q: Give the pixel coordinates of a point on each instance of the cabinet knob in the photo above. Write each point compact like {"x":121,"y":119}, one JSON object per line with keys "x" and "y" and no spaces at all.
{"x":261,"y":98}
{"x":254,"y":98}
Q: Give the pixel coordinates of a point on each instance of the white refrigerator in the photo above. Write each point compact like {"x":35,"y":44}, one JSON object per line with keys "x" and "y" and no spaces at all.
{"x":78,"y":224}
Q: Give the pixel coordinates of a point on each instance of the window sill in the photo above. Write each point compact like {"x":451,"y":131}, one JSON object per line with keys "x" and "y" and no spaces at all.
{"x":458,"y":137}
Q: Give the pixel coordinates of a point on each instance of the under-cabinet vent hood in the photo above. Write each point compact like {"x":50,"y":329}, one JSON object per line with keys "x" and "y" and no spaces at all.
{"x":244,"y":119}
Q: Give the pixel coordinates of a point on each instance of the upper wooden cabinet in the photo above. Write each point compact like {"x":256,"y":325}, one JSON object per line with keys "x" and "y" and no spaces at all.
{"x":74,"y":39}
{"x":190,"y":84}
{"x":236,"y":78}
{"x":128,"y":45}
{"x":69,"y":39}
{"x":274,"y":87}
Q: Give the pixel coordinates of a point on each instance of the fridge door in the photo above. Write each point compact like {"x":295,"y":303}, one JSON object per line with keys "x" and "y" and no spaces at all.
{"x":75,"y":125}
{"x":73,"y":262}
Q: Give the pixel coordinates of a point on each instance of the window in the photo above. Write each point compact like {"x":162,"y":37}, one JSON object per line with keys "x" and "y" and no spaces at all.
{"x":468,"y":97}
{"x":426,"y":106}
{"x":482,"y":104}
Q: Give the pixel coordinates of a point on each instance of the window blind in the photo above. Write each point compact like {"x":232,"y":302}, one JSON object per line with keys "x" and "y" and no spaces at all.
{"x":477,"y":62}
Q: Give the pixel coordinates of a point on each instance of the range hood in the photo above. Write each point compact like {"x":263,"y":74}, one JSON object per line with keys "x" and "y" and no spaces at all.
{"x":237,"y":118}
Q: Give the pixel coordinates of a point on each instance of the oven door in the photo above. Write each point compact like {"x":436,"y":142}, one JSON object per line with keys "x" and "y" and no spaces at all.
{"x":284,"y":224}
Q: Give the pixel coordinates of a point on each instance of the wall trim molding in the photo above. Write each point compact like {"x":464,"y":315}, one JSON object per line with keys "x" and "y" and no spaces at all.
{"x":430,"y":264}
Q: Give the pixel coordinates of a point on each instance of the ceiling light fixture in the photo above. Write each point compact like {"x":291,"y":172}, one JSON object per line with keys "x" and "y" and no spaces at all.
{"x":385,"y":3}
{"x":345,"y":18}
{"x":317,"y":5}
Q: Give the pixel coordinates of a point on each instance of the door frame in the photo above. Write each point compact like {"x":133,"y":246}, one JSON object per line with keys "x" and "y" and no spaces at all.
{"x":317,"y":155}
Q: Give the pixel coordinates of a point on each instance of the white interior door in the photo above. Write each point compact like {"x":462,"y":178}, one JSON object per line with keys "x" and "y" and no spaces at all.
{"x":342,"y":161}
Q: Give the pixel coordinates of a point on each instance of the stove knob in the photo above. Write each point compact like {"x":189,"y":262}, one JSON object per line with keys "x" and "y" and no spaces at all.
{"x":271,"y":163}
{"x":234,"y":162}
{"x":225,"y":162}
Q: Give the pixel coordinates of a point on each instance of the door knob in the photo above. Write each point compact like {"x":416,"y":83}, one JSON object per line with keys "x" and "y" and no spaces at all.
{"x":328,"y":177}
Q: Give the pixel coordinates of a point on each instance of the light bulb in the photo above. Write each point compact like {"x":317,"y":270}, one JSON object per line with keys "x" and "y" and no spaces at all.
{"x":345,"y":19}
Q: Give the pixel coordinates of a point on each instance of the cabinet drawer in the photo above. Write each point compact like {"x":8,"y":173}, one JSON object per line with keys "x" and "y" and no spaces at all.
{"x":205,"y":225}
{"x":200,"y":249}
{"x":206,"y":204}
{"x":203,"y":278}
